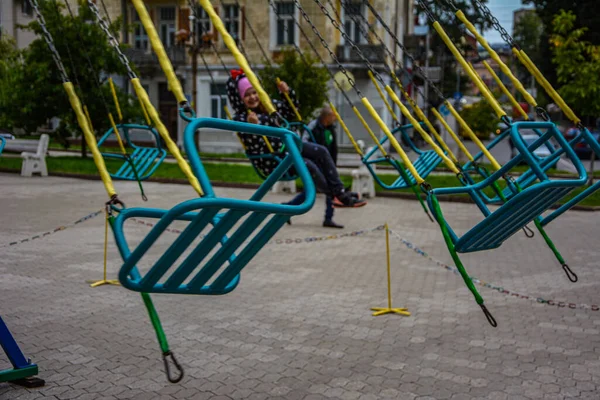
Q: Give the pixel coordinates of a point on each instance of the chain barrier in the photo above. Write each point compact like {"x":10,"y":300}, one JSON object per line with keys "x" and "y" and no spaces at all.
{"x":58,"y":229}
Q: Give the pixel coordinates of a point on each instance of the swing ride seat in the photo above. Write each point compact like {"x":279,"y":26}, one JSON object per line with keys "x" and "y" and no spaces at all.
{"x":2,"y":144}
{"x":426,"y":162}
{"x":220,"y":273}
{"x":145,"y":160}
{"x":522,"y":208}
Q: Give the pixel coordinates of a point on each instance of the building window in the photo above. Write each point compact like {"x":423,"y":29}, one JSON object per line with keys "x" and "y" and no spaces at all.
{"x":351,"y":18}
{"x":283,"y":27}
{"x":231,"y":19}
{"x":218,"y":100}
{"x":26,"y":8}
{"x":203,"y":24}
{"x":166,"y":26}
{"x":140,"y":37}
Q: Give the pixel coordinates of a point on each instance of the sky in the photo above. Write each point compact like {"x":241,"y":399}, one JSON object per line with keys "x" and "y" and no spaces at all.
{"x":503,"y":11}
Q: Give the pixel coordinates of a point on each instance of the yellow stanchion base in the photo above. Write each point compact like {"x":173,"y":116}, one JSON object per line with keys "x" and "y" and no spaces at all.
{"x":104,"y":282}
{"x":385,"y":310}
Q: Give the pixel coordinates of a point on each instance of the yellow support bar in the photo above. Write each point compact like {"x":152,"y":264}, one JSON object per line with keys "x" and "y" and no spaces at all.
{"x":461,"y":60}
{"x":455,"y":137}
{"x":115,"y":98}
{"x":421,"y":115}
{"x":505,"y":90}
{"x":382,"y":95}
{"x":472,"y":136}
{"x":290,"y":102}
{"x":90,"y":139}
{"x":162,"y":130}
{"x":163,"y":59}
{"x":345,"y":129}
{"x":526,"y":61}
{"x":117,"y":134}
{"x":370,"y":131}
{"x":422,"y":132}
{"x":239,"y":57}
{"x":89,"y":119}
{"x":393,"y":141}
{"x":503,"y":67}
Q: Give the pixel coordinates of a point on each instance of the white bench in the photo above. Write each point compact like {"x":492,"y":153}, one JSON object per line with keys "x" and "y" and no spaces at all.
{"x":284,"y":187}
{"x":32,"y":162}
{"x":362,"y":180}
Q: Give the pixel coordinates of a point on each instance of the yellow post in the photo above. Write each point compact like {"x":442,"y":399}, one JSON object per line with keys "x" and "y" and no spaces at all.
{"x":370,"y":131}
{"x":385,"y":100}
{"x":455,"y":137}
{"x":104,"y":281}
{"x":389,"y":309}
{"x":115,"y":98}
{"x":345,"y":129}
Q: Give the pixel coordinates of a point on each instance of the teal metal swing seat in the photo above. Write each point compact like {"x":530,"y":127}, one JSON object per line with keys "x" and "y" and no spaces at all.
{"x":526,"y":205}
{"x":231,"y":231}
{"x":2,"y":144}
{"x":426,"y":162}
{"x":143,"y":161}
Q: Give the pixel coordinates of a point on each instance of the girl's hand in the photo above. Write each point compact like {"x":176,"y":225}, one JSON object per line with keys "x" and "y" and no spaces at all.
{"x":283,"y":87}
{"x":252,"y":117}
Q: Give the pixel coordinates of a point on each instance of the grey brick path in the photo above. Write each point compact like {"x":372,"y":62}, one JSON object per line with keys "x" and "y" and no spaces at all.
{"x":299,"y":326}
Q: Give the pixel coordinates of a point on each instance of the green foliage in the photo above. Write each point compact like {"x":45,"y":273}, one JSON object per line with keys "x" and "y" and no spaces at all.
{"x":309,"y":82}
{"x":10,"y":73}
{"x":528,"y":32}
{"x":481,"y":118}
{"x":577,"y":65}
{"x":38,"y":94}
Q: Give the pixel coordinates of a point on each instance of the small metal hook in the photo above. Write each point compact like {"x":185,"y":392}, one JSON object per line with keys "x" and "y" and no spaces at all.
{"x":171,"y":379}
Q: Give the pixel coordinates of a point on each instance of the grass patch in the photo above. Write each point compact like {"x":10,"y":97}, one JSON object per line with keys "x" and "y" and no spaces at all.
{"x":240,"y":173}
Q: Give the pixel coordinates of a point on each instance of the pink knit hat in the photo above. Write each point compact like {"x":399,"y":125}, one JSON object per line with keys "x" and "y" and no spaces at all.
{"x":243,"y":85}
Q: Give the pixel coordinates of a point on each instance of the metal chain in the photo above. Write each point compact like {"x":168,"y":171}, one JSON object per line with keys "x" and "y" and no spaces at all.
{"x":49,"y":41}
{"x":111,"y":38}
{"x":247,"y":22}
{"x":347,"y":38}
{"x":399,"y":44}
{"x":214,"y":47}
{"x":326,"y":46}
{"x":314,"y":49}
{"x":496,"y":24}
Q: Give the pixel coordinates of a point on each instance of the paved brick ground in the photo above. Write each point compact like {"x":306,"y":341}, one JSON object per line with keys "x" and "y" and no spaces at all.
{"x":299,"y":325}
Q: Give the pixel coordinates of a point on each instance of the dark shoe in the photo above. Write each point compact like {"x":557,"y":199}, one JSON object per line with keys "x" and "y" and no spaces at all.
{"x":346,"y":200}
{"x":330,"y":224}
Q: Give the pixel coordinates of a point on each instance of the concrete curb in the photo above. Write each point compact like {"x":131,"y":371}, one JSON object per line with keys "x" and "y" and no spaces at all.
{"x":404,"y":196}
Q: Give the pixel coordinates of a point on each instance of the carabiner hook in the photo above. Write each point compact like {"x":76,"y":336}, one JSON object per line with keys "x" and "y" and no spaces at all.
{"x":489,"y":316}
{"x":570,"y":274}
{"x":166,"y":355}
{"x":528,"y":232}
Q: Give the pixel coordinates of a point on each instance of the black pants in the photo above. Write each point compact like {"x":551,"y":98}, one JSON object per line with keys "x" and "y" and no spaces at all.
{"x":322,"y":169}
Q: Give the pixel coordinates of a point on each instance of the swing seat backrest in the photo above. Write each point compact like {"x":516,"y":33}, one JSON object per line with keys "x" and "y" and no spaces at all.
{"x":145,"y":159}
{"x":222,"y":235}
{"x":2,"y":144}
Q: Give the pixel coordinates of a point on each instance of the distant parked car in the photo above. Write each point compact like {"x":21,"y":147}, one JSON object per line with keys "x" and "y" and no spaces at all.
{"x":6,"y":134}
{"x":582,"y":149}
{"x":541,"y":152}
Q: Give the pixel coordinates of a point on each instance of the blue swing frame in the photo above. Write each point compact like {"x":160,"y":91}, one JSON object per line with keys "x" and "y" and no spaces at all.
{"x":525,"y":205}
{"x":426,"y":162}
{"x":145,"y":159}
{"x":2,"y":144}
{"x":222,"y":214}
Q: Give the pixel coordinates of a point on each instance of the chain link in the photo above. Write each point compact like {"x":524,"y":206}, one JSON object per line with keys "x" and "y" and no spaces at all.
{"x":326,"y":45}
{"x":399,"y":44}
{"x":247,"y":21}
{"x":49,"y":41}
{"x":496,"y":24}
{"x":214,"y":47}
{"x":111,"y":38}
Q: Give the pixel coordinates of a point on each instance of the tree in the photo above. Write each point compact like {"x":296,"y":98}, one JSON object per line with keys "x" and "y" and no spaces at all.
{"x":10,"y":73}
{"x":587,"y":15}
{"x":309,"y":82}
{"x":577,"y":64}
{"x":528,"y":32}
{"x":481,"y":118}
{"x":39,"y":96}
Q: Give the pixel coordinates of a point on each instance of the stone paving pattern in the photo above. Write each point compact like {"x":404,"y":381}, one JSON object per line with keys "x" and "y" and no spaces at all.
{"x":298,"y":326}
